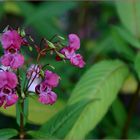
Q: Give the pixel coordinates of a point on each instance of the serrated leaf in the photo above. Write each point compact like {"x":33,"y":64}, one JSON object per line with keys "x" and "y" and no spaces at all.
{"x":7,"y":133}
{"x":103,"y":81}
{"x":129,"y":13}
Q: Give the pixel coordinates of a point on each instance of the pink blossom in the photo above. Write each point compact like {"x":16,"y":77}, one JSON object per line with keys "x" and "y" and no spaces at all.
{"x":8,"y":82}
{"x":8,"y":79}
{"x":10,"y":100}
{"x":74,"y":41}
{"x":11,"y":38}
{"x":77,"y":60}
{"x":68,"y":52}
{"x":13,"y":60}
{"x":47,"y":97}
{"x":51,"y":79}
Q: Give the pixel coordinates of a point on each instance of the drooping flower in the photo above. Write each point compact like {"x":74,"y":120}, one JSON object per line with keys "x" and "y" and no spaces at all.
{"x":8,"y":82}
{"x":74,"y":41}
{"x":11,"y":38}
{"x":13,"y":60}
{"x":70,"y":51}
{"x":51,"y":79}
{"x":46,"y":95}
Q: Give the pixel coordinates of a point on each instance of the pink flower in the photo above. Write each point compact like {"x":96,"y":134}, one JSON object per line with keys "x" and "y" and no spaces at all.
{"x":68,"y":52}
{"x":10,"y":100}
{"x":51,"y":79}
{"x":8,"y":79}
{"x":77,"y":60}
{"x":11,"y":39}
{"x":8,"y":82}
{"x":46,"y":95}
{"x":74,"y":41}
{"x":13,"y":60}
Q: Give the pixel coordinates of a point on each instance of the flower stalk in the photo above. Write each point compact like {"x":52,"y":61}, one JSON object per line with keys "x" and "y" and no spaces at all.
{"x":22,"y":133}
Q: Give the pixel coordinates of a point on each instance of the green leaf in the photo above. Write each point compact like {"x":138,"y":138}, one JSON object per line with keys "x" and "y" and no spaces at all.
{"x":103,"y":81}
{"x":7,"y":133}
{"x":49,"y":10}
{"x":126,"y":35}
{"x":121,"y":47}
{"x":129,"y":13}
{"x":119,"y":113}
{"x":137,"y":64}
{"x":38,"y":113}
{"x":61,"y":123}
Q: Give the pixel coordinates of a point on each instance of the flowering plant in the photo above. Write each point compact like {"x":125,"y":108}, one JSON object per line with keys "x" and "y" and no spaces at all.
{"x":13,"y":87}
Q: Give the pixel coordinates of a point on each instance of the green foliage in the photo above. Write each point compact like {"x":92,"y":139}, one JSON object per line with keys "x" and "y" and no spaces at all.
{"x":137,"y":64}
{"x":129,"y":13}
{"x":44,"y":18}
{"x":7,"y":133}
{"x":126,"y":35}
{"x":59,"y":125}
{"x":102,"y":82}
{"x":119,"y":113}
{"x":38,"y":113}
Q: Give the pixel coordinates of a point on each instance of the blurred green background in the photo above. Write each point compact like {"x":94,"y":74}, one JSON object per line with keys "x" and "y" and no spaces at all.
{"x":93,"y":21}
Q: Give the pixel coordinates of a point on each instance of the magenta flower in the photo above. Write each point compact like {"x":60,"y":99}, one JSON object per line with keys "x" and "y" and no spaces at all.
{"x":46,"y":95}
{"x":11,"y":38}
{"x":10,"y":100}
{"x":51,"y":79}
{"x":74,"y":41}
{"x":77,"y":60}
{"x":8,"y":82}
{"x":70,"y":51}
{"x":13,"y":60}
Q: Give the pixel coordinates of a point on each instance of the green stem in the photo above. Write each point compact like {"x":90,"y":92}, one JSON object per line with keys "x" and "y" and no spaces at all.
{"x":22,"y":133}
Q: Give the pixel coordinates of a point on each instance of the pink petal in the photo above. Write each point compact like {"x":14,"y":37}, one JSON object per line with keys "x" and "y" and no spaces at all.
{"x":74,"y":41}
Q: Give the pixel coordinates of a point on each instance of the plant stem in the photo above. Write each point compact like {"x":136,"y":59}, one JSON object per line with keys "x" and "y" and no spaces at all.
{"x":131,"y":112}
{"x":22,"y":134}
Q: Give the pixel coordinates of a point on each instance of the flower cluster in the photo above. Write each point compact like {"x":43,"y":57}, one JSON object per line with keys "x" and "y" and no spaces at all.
{"x":44,"y":89}
{"x":70,"y":51}
{"x":8,"y":83}
{"x":38,"y":78}
{"x":11,"y":42}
